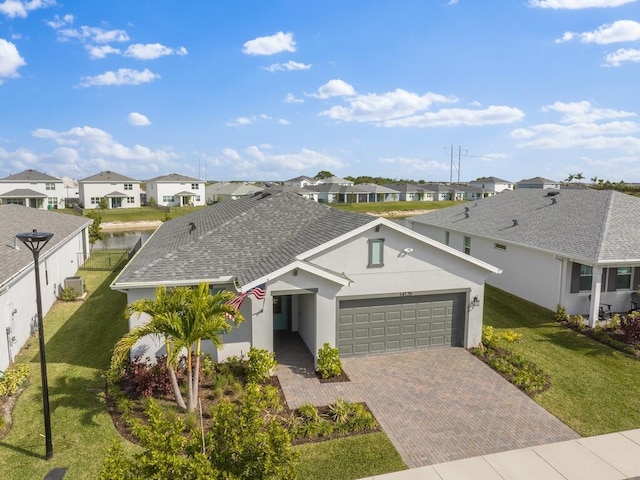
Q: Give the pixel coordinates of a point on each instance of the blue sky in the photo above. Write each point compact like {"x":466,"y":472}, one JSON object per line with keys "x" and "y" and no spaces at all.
{"x":271,"y":90}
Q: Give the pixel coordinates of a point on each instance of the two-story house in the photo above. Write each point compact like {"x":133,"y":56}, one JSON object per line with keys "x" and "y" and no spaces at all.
{"x":111,"y":189}
{"x":175,"y":190}
{"x":32,"y":189}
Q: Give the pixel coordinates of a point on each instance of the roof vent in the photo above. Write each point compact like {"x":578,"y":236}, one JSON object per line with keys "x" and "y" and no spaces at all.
{"x":554,"y":201}
{"x":192,"y":227}
{"x":466,"y":215}
{"x":466,"y":209}
{"x":515,"y":222}
{"x":552,"y":193}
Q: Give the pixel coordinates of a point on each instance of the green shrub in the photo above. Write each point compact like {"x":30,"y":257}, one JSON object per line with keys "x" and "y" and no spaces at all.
{"x":614,"y":322}
{"x":207,"y":365}
{"x":260,"y":365}
{"x":361,"y":419}
{"x":13,"y":378}
{"x":630,"y":326}
{"x":340,"y":411}
{"x":523,"y":373}
{"x":329,"y":364}
{"x":577,"y":321}
{"x":561,"y":314}
{"x":510,"y":336}
{"x":69,"y":294}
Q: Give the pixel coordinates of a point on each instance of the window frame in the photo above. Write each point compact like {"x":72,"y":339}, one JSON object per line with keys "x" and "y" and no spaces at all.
{"x":466,"y":245}
{"x":376,"y":253}
{"x":628,"y":276}
{"x":583,"y":286}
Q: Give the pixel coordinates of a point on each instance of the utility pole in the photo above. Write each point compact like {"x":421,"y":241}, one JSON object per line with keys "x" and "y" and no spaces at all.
{"x":451,"y":168}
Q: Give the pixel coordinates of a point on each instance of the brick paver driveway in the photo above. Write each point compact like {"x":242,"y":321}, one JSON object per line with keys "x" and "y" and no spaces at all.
{"x":435,"y":405}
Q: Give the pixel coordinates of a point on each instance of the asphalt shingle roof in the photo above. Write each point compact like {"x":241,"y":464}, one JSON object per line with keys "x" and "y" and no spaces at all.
{"x":108,"y":176}
{"x":30,"y":176}
{"x":245,"y":238}
{"x":174,"y":177}
{"x":592,"y":225}
{"x":16,"y":219}
{"x":23,"y":193}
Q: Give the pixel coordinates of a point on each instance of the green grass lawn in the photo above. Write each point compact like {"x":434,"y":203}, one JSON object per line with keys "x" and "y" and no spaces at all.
{"x":349,"y":458}
{"x":385,"y":207}
{"x":141,"y":214}
{"x":79,"y":337}
{"x":595,"y":389}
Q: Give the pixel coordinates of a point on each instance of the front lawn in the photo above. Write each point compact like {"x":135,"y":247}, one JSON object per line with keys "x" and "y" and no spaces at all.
{"x":385,"y":207}
{"x":594,"y":389}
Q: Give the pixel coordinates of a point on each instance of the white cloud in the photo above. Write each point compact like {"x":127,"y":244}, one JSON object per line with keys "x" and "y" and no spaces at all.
{"x":59,"y":22}
{"x":616,"y":32}
{"x":152,"y":51}
{"x":101,"y":51}
{"x":415,"y":164}
{"x":21,"y":8}
{"x":582,"y":126}
{"x":123,"y":76}
{"x":290,"y":98}
{"x":279,"y":42}
{"x":452,"y":2}
{"x":577,"y":4}
{"x":284,"y":121}
{"x":255,"y":162}
{"x":92,"y":35}
{"x":391,"y":105}
{"x":334,"y":88}
{"x":241,"y":121}
{"x":138,"y":119}
{"x":622,"y":55}
{"x":10,"y":60}
{"x":289,"y":66}
{"x":453,"y":117}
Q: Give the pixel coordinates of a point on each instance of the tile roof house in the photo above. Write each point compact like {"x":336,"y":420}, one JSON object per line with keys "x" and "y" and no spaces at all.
{"x":32,"y":189}
{"x":538,"y":182}
{"x":364,"y":284}
{"x":118,"y":191}
{"x":578,"y":248}
{"x":60,"y":258}
{"x":175,"y":190}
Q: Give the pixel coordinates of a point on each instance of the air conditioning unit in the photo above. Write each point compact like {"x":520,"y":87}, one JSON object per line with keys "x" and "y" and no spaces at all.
{"x":75,"y":283}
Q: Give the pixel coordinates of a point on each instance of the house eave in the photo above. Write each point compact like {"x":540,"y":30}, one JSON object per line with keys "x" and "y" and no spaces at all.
{"x":125,"y":286}
{"x":335,"y":277}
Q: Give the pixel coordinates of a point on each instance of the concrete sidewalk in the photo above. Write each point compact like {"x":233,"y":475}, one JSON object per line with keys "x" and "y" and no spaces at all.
{"x":605,"y":457}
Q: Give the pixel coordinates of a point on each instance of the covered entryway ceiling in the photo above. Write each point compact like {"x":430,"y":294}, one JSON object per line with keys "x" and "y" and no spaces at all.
{"x":392,"y":324}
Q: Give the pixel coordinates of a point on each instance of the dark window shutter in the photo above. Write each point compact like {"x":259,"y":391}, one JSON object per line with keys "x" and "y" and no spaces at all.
{"x":575,"y":277}
{"x":612,"y":279}
{"x":636,"y":278}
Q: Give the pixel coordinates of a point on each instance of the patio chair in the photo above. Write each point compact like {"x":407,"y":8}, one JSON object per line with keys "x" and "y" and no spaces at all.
{"x":604,"y":310}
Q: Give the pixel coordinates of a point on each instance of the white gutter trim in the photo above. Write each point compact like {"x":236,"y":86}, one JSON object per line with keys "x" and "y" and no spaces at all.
{"x":170,"y":283}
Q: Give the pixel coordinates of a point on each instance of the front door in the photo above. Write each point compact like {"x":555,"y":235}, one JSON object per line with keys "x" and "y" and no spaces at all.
{"x":281,"y":312}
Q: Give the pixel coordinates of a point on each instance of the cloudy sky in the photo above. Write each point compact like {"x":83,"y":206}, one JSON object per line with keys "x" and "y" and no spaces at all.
{"x":226,"y":90}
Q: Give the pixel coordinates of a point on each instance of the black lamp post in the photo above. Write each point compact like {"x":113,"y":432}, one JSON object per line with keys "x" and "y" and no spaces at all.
{"x":35,"y":241}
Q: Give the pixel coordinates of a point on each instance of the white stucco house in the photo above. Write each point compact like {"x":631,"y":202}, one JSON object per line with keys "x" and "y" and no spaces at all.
{"x":119,"y":191}
{"x":175,"y":190}
{"x":61,"y":257}
{"x":301,"y":182}
{"x":577,"y":248}
{"x":221,"y":191}
{"x":538,"y":183}
{"x":361,"y":283}
{"x":32,"y":189}
{"x":491,"y":185}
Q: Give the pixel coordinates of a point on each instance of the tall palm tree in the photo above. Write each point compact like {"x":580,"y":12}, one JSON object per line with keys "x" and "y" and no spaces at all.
{"x":579,"y":176}
{"x":184,"y":316}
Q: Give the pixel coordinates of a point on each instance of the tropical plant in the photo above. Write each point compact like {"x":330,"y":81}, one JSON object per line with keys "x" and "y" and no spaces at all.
{"x":184,"y":316}
{"x":260,"y":365}
{"x":329,"y":364}
{"x":95,"y":230}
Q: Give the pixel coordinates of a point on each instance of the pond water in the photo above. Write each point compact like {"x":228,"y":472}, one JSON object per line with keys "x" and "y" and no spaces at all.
{"x":121,"y":240}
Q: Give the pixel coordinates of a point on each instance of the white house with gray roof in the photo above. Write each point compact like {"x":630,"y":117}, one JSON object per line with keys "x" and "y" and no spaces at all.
{"x":175,"y":190}
{"x":577,"y":248}
{"x":118,"y":191}
{"x":491,"y":185}
{"x":361,"y":283}
{"x":221,"y":191}
{"x":538,"y":183}
{"x":61,"y":257}
{"x":32,"y":189}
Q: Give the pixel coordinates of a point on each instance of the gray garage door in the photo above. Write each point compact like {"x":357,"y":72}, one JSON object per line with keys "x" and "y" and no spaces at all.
{"x":378,"y":325}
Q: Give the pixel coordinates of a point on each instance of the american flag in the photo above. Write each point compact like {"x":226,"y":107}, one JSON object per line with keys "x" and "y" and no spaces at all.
{"x":258,"y":292}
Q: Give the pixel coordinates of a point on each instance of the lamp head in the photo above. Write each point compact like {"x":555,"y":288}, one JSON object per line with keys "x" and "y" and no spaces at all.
{"x":35,"y":240}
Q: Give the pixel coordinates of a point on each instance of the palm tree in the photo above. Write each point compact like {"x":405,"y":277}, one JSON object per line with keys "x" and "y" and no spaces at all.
{"x":578,"y":176}
{"x":184,"y":316}
{"x":570,"y":178}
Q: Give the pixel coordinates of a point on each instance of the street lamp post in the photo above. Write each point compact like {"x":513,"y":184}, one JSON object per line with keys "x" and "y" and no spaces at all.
{"x":35,"y":241}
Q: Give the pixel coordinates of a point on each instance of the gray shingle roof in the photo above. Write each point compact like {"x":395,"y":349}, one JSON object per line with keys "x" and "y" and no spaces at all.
{"x":174,"y":177}
{"x":108,"y":176}
{"x":538,"y":181}
{"x":490,"y":180}
{"x":23,"y":193}
{"x":17,"y":219}
{"x":590,"y":225}
{"x":245,"y":238}
{"x":30,"y":176}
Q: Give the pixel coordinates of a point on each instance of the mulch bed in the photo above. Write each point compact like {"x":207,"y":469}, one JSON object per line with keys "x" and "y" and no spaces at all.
{"x":618,"y":342}
{"x":6,"y":409}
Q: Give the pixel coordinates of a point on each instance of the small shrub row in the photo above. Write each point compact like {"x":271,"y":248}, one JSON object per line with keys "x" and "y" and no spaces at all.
{"x":339,"y":418}
{"x":630,"y":326}
{"x":143,"y":379}
{"x":261,"y":365}
{"x":69,"y":294}
{"x":12,"y":379}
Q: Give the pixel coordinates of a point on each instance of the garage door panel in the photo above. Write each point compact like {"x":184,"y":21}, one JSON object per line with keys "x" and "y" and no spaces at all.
{"x":378,"y":325}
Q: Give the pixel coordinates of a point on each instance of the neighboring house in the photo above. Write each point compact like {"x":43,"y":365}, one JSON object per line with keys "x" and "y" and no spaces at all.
{"x":175,"y":190}
{"x":221,"y":191}
{"x":364,"y":284}
{"x":301,"y":182}
{"x":303,"y":192}
{"x":32,"y":189}
{"x":408,"y":192}
{"x":118,"y":191}
{"x":379,"y":193}
{"x":577,"y":248}
{"x":440,"y":192}
{"x":471,"y":193}
{"x":61,"y":257}
{"x":491,"y":185}
{"x":538,"y":183}
{"x":335,"y":181}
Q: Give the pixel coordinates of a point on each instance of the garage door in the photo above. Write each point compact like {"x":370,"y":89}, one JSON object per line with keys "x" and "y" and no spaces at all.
{"x":379,"y":325}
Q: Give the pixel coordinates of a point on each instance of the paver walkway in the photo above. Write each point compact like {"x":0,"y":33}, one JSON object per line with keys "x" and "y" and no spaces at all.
{"x":436,"y":405}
